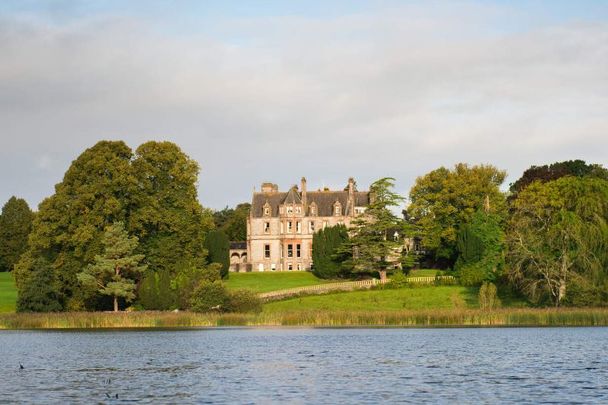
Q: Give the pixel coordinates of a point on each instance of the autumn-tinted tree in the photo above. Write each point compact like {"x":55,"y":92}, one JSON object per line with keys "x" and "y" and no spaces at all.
{"x":558,"y":241}
{"x":15,"y":226}
{"x":116,"y":270}
{"x":554,"y":171}
{"x":372,"y":243}
{"x":218,"y":248}
{"x":96,"y":191}
{"x":444,"y":200}
{"x":165,"y":213}
{"x":327,"y":263}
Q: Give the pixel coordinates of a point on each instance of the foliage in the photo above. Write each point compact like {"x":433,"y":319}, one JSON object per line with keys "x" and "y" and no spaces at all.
{"x":40,"y":294}
{"x":558,"y":237}
{"x":155,"y":292}
{"x":488,"y":297}
{"x":218,"y":247}
{"x":325,"y":243}
{"x":243,"y":300}
{"x":189,"y":277}
{"x":372,"y":246}
{"x":398,"y":280}
{"x":233,"y":222}
{"x":554,"y":171}
{"x":209,"y":296}
{"x":481,"y":244}
{"x":15,"y":227}
{"x":116,"y":270}
{"x":165,"y":214}
{"x":442,"y":201}
{"x":67,"y":230}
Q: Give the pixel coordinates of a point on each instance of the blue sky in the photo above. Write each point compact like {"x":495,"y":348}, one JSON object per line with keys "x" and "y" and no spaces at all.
{"x":275,"y":90}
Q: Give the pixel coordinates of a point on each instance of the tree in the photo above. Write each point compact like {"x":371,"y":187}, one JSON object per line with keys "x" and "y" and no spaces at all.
{"x":67,"y":230}
{"x":481,"y":245}
{"x":442,"y":201}
{"x":558,"y":239}
{"x":233,"y":222}
{"x":115,"y":272}
{"x":218,"y":248}
{"x":325,"y":244}
{"x":372,"y":244}
{"x":15,"y":227}
{"x":554,"y":171}
{"x":165,"y":213}
{"x":40,"y":294}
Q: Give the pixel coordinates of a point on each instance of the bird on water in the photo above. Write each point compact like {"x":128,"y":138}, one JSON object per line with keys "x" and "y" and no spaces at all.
{"x":21,"y":366}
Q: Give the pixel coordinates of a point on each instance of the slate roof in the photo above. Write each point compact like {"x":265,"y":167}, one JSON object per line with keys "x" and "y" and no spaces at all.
{"x":323,"y":199}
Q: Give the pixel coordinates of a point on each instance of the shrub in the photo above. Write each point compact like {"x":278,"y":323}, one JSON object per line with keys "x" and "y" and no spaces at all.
{"x":244,"y":301}
{"x":488,"y":297}
{"x":210,"y":296}
{"x":39,"y":294}
{"x":398,"y":280}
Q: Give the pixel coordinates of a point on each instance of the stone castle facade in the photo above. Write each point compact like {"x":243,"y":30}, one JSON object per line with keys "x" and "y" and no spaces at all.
{"x":281,"y":225}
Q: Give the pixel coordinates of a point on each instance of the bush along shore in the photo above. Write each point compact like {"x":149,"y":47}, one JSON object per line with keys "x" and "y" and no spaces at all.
{"x":523,"y":317}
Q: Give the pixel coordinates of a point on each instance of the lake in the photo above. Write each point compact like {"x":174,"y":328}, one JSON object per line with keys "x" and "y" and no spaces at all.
{"x":306,"y":366}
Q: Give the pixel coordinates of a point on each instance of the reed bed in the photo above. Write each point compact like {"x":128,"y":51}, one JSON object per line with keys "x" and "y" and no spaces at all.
{"x":321,"y":318}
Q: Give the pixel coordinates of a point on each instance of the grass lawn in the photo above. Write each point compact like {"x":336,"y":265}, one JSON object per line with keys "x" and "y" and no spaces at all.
{"x":442,"y":297}
{"x":425,"y":273}
{"x":271,"y":281}
{"x":8,"y":293}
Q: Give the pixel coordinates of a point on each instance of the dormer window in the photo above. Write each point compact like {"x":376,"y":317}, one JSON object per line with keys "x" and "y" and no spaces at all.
{"x":298,"y":210}
{"x":267,"y":209}
{"x":313,"y":210}
{"x":289,"y":210}
{"x":337,"y":209}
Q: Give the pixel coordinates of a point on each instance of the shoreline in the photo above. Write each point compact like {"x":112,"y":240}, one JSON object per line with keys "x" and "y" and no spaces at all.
{"x":452,"y":318}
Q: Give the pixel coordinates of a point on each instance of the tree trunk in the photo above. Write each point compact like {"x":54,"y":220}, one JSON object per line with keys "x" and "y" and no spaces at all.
{"x":382,"y":276}
{"x":115,"y":304}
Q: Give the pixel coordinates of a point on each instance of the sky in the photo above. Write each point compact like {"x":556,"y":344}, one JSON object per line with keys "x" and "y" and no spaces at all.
{"x":259,"y":91}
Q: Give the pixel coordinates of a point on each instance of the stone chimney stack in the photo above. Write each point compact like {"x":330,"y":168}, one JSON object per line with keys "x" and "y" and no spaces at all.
{"x":304,"y":197}
{"x":350,"y":209}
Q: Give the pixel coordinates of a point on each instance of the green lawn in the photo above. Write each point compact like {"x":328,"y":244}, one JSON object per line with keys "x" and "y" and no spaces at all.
{"x":442,"y":297}
{"x":8,"y":293}
{"x":271,"y":281}
{"x":425,"y":273}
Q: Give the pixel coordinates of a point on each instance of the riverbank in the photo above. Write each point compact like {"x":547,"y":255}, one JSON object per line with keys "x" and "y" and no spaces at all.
{"x":424,"y":318}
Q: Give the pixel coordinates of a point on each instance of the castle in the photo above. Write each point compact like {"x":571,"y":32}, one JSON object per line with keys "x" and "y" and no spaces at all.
{"x":281,"y":225}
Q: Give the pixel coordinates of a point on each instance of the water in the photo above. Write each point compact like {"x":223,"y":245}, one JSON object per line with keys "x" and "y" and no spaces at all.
{"x":306,"y":366}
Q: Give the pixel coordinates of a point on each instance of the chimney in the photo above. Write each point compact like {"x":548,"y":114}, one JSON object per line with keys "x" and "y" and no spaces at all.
{"x":269,"y":188}
{"x":350,"y":209}
{"x":303,"y":188}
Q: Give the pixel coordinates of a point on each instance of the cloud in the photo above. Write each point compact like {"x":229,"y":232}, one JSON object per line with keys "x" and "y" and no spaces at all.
{"x":395,"y":92}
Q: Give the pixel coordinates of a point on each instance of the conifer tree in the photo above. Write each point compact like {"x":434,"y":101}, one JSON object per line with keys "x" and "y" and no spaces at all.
{"x":115,"y":271}
{"x":15,"y":226}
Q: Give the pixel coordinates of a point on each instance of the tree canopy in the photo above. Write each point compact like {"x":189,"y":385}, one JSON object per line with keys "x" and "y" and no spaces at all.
{"x":15,"y":227}
{"x":233,"y":222}
{"x":325,"y":244}
{"x":444,"y":200}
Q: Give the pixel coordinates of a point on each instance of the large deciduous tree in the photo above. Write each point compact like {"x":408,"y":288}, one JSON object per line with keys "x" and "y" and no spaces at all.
{"x":165,"y":213}
{"x":95,"y":192}
{"x":218,"y":249}
{"x":558,"y":241}
{"x":233,"y":222}
{"x":15,"y":227}
{"x":116,"y":270}
{"x":442,"y":201}
{"x":372,"y":243}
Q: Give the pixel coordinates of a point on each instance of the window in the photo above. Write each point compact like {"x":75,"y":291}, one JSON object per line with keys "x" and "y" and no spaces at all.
{"x":299,"y":227}
{"x":266,"y":227}
{"x":267,"y":251}
{"x":273,"y":267}
{"x":313,"y":210}
{"x":289,"y":266}
{"x":298,"y":210}
{"x":299,"y":266}
{"x":289,"y":226}
{"x":267,"y":211}
{"x":359,"y":210}
{"x":337,"y":210}
{"x":298,"y":250}
{"x":311,"y":227}
{"x":289,"y":210}
{"x":290,"y":250}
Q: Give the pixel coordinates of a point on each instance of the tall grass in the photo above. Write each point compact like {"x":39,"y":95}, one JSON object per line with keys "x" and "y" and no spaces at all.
{"x":318,"y":318}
